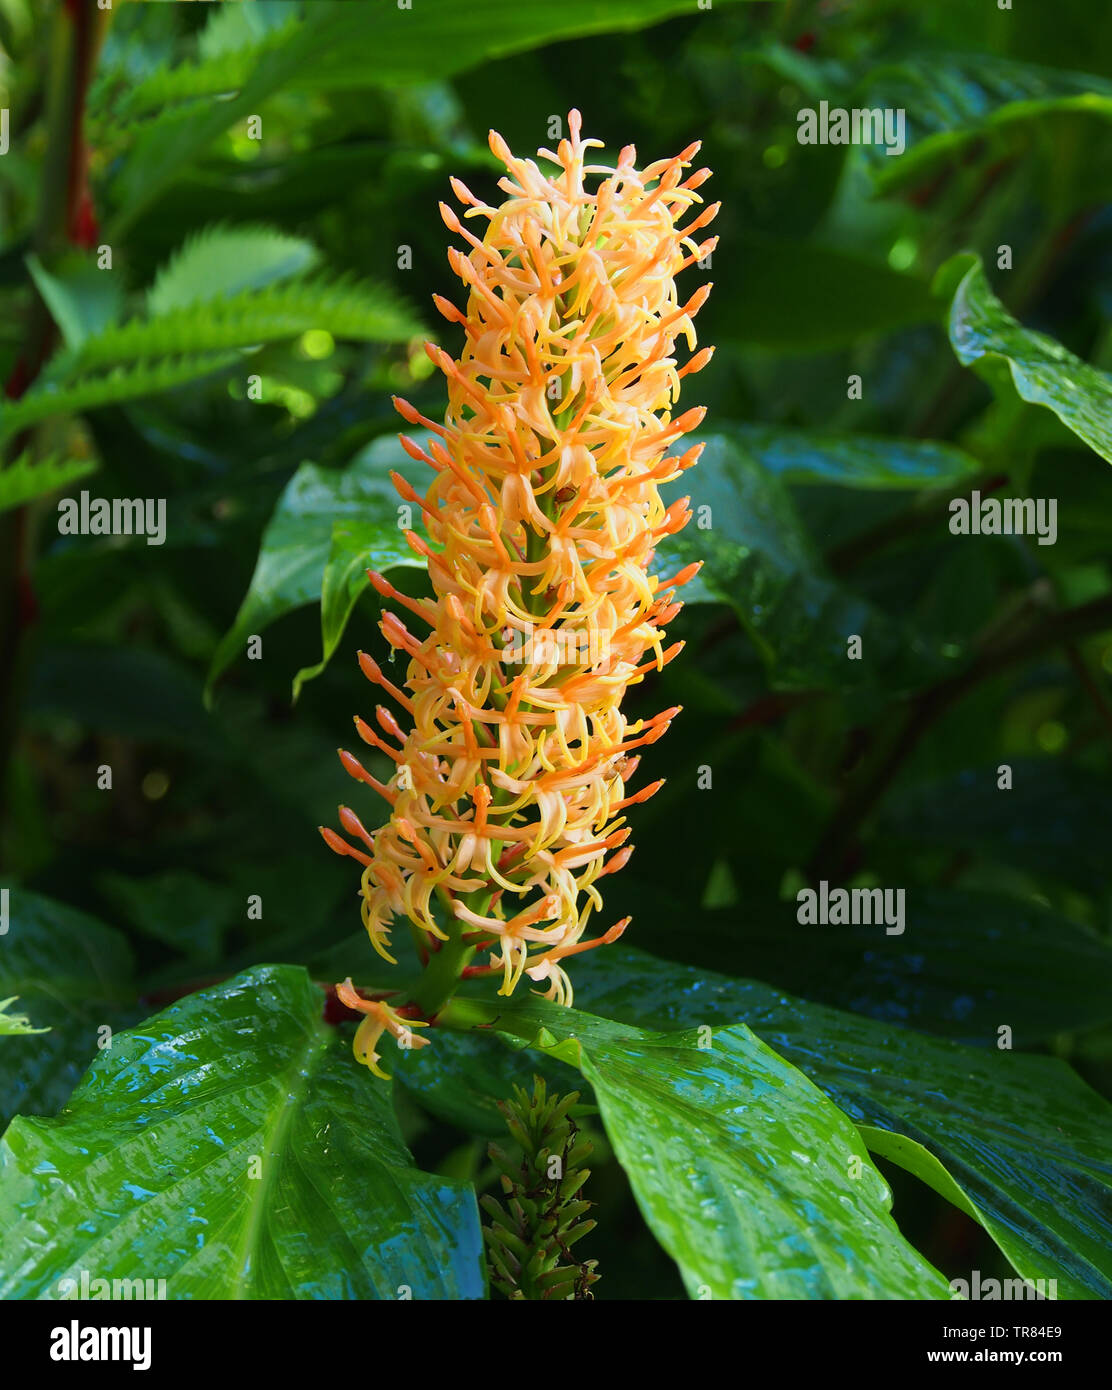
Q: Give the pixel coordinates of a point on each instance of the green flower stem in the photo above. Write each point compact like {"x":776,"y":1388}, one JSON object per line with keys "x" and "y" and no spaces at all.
{"x":443,"y":972}
{"x":446,"y":966}
{"x":465,"y":1014}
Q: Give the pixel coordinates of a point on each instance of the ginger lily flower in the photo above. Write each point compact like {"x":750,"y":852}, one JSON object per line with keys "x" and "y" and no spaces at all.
{"x":380,"y":1018}
{"x":508,"y":802}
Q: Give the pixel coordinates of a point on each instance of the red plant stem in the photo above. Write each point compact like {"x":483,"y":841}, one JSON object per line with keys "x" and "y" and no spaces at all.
{"x":65,"y":217}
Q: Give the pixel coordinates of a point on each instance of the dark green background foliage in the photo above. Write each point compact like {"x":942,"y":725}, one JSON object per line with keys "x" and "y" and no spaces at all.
{"x":841,"y":1059}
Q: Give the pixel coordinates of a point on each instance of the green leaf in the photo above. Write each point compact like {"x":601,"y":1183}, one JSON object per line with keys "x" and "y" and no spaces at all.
{"x":333,"y":47}
{"x":758,"y":558}
{"x":48,"y":398}
{"x":232,"y":28}
{"x":416,"y":45}
{"x":233,"y":41}
{"x":984,"y":334}
{"x":358,"y":544}
{"x":224,"y":261}
{"x":954,"y":101}
{"x":344,"y":307}
{"x":966,"y":961}
{"x":329,"y":527}
{"x":225,"y":1129}
{"x":854,"y":460}
{"x":1022,"y":1137}
{"x":787,"y":295}
{"x":244,"y":81}
{"x":82,"y":299}
{"x":464,"y":1076}
{"x":15,"y":1025}
{"x":1051,"y":821}
{"x":437,"y":38}
{"x":751,"y":1180}
{"x":188,"y":913}
{"x":148,"y":356}
{"x":74,"y":976}
{"x":23,"y":480}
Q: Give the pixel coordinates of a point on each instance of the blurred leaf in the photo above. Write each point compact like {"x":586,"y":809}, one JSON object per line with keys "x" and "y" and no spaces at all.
{"x":242,"y":78}
{"x":82,"y":299}
{"x":954,"y":99}
{"x":462,"y":1079}
{"x":437,"y":38}
{"x":413,"y":45}
{"x":148,"y":356}
{"x":135,"y":692}
{"x":854,"y":460}
{"x":234,"y":27}
{"x":223,"y":261}
{"x":796,"y":296}
{"x":73,"y":976}
{"x":757,"y":557}
{"x":23,"y":480}
{"x":182,"y":910}
{"x":1051,"y":821}
{"x":328,"y":528}
{"x":331,"y":46}
{"x":241,"y":1153}
{"x":47,"y":399}
{"x":344,"y":307}
{"x":15,"y":1025}
{"x":1042,"y":370}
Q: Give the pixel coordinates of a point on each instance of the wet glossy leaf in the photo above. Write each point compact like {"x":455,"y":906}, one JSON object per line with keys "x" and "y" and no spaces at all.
{"x":754,"y":1184}
{"x":1022,"y":1137}
{"x":231,"y":1146}
{"x":964,"y":962}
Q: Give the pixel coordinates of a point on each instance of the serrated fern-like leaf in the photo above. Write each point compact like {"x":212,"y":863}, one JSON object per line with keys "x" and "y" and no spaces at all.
{"x":123,"y":383}
{"x":343,"y":307}
{"x":24,"y":479}
{"x":114,"y":104}
{"x":222,"y":260}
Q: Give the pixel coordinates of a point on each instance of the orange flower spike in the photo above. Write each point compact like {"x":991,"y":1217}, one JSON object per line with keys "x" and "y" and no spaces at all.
{"x":541,"y":520}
